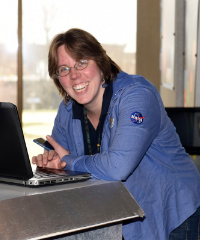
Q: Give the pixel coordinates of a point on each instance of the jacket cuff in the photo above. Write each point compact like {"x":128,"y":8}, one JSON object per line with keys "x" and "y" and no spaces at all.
{"x":69,"y":160}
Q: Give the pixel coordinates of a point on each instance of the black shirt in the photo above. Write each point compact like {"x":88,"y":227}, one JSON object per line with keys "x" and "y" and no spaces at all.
{"x":94,"y":134}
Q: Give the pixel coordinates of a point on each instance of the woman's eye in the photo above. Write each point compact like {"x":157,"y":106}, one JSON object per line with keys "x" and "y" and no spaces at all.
{"x":82,"y":62}
{"x":64,"y":69}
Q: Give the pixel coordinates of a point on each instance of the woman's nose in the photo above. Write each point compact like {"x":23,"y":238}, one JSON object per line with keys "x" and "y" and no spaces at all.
{"x":74,"y":73}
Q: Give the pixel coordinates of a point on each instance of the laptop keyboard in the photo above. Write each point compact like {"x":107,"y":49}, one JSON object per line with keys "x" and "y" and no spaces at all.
{"x":44,"y":175}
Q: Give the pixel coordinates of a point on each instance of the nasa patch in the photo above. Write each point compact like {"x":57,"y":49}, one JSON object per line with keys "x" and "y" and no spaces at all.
{"x":137,"y":118}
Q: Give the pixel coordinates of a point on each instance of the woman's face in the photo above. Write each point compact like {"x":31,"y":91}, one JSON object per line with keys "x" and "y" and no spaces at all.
{"x":84,"y":86}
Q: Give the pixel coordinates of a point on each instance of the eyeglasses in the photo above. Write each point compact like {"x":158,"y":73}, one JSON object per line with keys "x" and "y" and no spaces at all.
{"x":63,"y":71}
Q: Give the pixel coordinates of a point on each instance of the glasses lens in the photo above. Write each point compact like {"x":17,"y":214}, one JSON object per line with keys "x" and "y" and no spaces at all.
{"x":62,"y":71}
{"x":81,"y":64}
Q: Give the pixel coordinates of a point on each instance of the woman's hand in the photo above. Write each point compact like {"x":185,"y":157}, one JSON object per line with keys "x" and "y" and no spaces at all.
{"x":53,"y":158}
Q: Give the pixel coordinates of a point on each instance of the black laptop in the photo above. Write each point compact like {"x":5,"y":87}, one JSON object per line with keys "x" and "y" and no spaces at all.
{"x":15,"y":165}
{"x":187,"y":123}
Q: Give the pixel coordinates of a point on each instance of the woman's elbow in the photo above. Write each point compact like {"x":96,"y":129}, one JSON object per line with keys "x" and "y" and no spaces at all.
{"x":121,"y":174}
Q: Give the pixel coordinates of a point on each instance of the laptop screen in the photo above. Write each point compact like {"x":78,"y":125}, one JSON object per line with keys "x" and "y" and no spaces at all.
{"x":187,"y":123}
{"x":14,"y":159}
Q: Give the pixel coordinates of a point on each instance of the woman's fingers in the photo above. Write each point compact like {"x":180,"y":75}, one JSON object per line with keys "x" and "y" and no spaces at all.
{"x":45,"y":157}
{"x":62,"y":164}
{"x":51,"y":154}
{"x":49,"y":160}
{"x":58,"y":148}
{"x":34,"y":159}
{"x":40,"y":160}
{"x":52,"y":158}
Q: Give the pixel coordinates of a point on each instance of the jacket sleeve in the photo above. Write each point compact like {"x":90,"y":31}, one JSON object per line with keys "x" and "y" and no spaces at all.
{"x":138,"y":122}
{"x":58,"y":132}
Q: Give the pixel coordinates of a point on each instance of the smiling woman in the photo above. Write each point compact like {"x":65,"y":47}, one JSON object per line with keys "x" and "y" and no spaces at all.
{"x":44,"y":19}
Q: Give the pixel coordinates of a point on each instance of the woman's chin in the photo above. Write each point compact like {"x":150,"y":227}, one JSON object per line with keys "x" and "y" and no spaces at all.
{"x":82,"y":101}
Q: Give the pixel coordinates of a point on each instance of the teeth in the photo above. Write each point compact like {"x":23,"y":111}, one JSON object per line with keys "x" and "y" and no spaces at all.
{"x":80,"y":87}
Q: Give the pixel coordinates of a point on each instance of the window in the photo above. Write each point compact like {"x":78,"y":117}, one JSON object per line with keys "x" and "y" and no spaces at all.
{"x":8,"y":49}
{"x":112,"y":23}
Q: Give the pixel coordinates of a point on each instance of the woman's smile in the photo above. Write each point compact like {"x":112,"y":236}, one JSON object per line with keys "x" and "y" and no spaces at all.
{"x":80,"y":87}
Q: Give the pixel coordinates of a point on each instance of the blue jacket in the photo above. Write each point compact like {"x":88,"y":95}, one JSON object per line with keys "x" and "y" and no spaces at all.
{"x":140,"y":147}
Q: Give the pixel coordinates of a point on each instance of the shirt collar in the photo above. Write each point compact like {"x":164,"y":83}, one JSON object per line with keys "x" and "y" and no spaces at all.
{"x":78,"y":108}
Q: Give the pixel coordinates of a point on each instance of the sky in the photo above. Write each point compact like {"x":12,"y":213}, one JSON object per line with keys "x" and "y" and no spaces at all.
{"x":110,"y":21}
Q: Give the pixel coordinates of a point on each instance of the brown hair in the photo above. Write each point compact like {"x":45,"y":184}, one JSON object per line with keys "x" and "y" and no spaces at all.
{"x":80,"y":44}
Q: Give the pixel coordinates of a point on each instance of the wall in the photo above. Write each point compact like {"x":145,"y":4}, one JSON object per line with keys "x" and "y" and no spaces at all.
{"x":148,"y":40}
{"x":149,"y":45}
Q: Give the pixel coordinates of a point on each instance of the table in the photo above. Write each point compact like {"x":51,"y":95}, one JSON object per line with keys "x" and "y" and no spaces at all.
{"x":79,"y":210}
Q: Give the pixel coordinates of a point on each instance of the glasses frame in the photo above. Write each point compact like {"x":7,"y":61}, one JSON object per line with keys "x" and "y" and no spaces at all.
{"x":75,"y":66}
